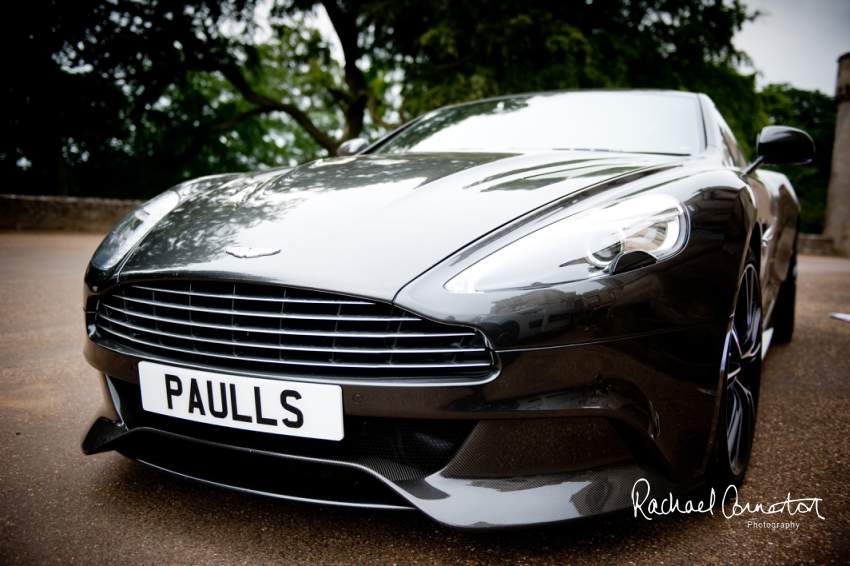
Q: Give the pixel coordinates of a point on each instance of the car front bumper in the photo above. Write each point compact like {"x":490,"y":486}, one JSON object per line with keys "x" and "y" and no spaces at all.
{"x":554,"y":434}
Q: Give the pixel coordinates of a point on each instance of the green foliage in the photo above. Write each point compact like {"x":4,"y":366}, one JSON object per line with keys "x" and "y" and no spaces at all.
{"x":126,"y":98}
{"x":458,"y":51}
{"x":816,"y":114}
{"x":736,"y":99}
{"x":123,"y":98}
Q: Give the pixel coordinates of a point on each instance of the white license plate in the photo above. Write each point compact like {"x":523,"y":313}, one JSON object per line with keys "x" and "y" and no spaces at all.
{"x":309,"y":410}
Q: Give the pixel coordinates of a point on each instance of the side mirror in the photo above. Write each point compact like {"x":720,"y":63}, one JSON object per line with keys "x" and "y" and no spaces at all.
{"x":351,"y":147}
{"x":781,"y":145}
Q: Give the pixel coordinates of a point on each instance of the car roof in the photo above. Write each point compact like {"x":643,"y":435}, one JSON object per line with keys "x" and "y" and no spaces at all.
{"x":666,"y":92}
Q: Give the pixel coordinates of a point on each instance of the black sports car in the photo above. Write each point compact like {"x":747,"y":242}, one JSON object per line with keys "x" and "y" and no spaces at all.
{"x":504,"y":313}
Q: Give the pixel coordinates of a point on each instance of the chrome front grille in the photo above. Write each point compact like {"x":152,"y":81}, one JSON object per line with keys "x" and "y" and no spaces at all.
{"x":284,"y":330}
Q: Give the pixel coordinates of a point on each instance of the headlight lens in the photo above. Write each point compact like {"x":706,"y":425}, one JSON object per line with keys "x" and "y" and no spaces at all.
{"x":580,"y":247}
{"x":132,"y":228}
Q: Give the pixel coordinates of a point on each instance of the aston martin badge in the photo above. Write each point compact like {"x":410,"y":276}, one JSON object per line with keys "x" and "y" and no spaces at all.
{"x":250,"y":252}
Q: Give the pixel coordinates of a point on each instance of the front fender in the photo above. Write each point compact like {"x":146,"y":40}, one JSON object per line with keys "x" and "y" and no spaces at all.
{"x":695,"y":287}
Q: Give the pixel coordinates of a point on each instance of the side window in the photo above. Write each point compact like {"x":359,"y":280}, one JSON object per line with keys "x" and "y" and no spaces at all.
{"x":731,"y":148}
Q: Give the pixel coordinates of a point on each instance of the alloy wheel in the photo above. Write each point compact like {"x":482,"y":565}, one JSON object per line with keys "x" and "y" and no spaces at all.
{"x":743,"y":369}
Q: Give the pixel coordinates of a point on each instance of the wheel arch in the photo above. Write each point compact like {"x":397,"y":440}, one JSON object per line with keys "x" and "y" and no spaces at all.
{"x":743,"y":233}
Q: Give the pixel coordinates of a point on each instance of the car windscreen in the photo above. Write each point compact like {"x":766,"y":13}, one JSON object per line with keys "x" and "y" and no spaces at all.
{"x":647,"y":122}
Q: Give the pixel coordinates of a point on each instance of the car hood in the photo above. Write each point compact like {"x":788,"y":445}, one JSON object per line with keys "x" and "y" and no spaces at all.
{"x":365,"y":225}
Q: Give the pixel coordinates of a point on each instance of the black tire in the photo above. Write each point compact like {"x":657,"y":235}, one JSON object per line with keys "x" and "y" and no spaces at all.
{"x":741,"y":374}
{"x":783,"y":312}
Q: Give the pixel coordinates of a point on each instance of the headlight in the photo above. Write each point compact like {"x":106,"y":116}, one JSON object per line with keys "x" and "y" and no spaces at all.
{"x":132,"y":228}
{"x":581,"y":246}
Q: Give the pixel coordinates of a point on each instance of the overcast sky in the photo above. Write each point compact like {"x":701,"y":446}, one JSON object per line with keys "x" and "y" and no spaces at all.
{"x":797,"y":41}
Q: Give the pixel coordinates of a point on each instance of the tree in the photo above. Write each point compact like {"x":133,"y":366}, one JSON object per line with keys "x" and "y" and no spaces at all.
{"x":154,"y":91}
{"x":457,"y":51}
{"x":816,"y":114}
{"x":123,"y":98}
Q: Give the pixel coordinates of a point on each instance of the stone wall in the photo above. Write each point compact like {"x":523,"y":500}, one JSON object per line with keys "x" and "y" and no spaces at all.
{"x":18,"y":212}
{"x":815,"y":244}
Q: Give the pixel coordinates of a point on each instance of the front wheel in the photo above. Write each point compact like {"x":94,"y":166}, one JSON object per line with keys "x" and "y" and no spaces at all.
{"x":741,"y":371}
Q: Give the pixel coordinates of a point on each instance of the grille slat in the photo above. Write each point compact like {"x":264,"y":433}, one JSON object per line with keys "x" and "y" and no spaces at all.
{"x":276,"y":329}
{"x":257,"y":298}
{"x":233,"y":311}
{"x":279,"y":346}
{"x":298,"y":362}
{"x":351,"y":334}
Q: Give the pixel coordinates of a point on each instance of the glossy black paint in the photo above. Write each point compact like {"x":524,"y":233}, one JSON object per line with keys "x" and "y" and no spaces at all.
{"x":694,"y":287}
{"x":504,"y":475}
{"x":783,"y":145}
{"x":631,"y":260}
{"x":380,"y":219}
{"x":640,"y":348}
{"x":636,"y":381}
